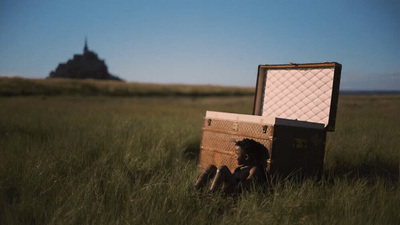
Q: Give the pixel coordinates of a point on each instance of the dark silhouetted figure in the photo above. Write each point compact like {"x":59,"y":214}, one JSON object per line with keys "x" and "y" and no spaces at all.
{"x":251,"y":157}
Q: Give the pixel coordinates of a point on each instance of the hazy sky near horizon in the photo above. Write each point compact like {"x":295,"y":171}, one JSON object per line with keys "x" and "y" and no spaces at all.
{"x":217,"y":42}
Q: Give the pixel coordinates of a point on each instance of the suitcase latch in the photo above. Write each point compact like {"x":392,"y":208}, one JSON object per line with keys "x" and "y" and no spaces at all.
{"x":265,"y":128}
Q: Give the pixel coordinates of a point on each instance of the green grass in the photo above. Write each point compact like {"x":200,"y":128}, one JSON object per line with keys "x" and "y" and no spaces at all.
{"x":133,"y":160}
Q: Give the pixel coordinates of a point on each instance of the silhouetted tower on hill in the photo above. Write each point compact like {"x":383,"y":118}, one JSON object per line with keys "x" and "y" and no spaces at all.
{"x":85,"y":66}
{"x":85,"y":49}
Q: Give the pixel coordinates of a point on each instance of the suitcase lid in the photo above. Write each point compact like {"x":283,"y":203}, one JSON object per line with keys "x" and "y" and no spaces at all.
{"x":305,"y":92}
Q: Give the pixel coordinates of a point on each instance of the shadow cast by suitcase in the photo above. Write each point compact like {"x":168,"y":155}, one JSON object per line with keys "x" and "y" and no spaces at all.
{"x":372,"y":171}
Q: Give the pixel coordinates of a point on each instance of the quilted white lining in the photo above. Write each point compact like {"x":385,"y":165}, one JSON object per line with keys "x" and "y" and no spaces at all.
{"x":298,"y":94}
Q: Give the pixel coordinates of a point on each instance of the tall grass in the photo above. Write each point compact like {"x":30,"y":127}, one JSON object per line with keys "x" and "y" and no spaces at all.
{"x":367,"y":133}
{"x":104,"y":160}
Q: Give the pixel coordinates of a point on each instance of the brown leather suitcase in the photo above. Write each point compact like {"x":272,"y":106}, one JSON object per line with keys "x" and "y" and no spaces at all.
{"x":294,"y":106}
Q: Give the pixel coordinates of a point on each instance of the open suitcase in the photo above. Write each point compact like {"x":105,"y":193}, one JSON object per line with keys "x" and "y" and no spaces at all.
{"x":294,"y":106}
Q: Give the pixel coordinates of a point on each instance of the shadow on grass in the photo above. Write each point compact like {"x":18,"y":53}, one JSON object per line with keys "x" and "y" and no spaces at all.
{"x":192,"y":150}
{"x":372,"y":171}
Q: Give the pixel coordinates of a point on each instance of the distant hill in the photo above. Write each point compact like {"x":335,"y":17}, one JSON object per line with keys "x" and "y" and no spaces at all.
{"x":373,"y":92}
{"x":91,"y":87}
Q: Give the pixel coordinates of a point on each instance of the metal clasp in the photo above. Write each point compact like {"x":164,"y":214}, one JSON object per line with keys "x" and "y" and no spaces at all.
{"x":265,"y":128}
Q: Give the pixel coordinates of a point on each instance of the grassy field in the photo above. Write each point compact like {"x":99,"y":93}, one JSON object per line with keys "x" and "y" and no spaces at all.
{"x":132,"y":160}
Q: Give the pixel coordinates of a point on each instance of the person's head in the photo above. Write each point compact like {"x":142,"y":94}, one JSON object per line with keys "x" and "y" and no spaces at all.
{"x":251,"y":152}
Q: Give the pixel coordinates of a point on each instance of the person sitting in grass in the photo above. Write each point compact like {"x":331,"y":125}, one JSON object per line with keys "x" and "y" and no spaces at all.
{"x":251,"y":157}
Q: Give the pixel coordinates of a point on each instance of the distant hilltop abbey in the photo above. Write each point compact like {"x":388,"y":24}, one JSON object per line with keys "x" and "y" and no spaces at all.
{"x":86,"y":66}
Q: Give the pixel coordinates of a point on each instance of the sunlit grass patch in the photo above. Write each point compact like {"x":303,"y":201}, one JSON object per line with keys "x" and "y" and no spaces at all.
{"x":90,"y":87}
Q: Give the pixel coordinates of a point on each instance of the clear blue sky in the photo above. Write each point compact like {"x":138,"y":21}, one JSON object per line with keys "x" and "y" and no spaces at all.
{"x":204,"y":42}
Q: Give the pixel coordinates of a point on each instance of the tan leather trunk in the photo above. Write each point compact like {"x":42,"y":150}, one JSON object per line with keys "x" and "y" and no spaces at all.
{"x":294,"y":106}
